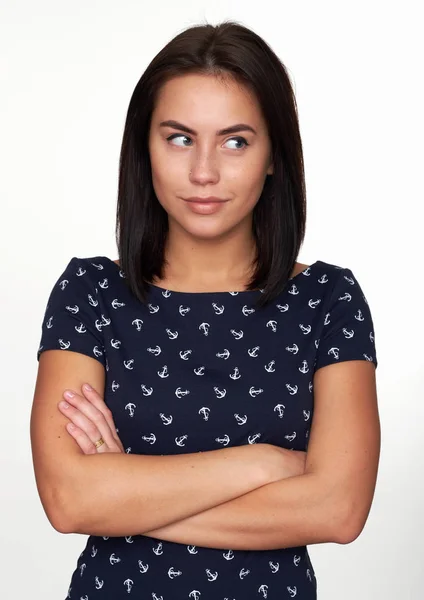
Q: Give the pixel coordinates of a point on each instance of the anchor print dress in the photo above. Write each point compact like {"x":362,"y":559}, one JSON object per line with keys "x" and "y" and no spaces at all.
{"x":200,"y":371}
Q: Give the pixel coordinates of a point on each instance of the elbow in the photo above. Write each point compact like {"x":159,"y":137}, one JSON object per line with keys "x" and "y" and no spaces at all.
{"x":349,"y":526}
{"x":57,"y":506}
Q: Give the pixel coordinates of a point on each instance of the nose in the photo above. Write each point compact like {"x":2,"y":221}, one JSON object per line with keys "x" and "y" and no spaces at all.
{"x":204,"y":169}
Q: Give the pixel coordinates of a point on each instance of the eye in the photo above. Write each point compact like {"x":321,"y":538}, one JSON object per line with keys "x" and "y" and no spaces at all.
{"x":239,"y":140}
{"x":177,"y":135}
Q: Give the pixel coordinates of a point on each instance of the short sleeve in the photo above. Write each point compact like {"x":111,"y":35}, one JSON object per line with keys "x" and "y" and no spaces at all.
{"x":348,"y":330}
{"x":71,"y":319}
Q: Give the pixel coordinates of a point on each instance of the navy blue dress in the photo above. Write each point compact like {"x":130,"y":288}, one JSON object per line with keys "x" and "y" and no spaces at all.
{"x":201,"y":371}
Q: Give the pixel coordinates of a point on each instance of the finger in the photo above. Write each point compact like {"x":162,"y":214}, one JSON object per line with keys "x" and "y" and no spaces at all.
{"x":82,"y":439}
{"x":95,"y":398}
{"x":88,"y":418}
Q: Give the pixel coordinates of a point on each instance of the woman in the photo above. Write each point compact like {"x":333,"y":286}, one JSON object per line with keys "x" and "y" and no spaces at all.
{"x":233,"y":414}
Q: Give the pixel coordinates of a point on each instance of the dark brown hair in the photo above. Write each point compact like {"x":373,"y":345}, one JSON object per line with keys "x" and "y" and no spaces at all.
{"x":279,"y":217}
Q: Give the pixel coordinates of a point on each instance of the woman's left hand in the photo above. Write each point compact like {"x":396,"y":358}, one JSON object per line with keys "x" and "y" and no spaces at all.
{"x":90,"y":420}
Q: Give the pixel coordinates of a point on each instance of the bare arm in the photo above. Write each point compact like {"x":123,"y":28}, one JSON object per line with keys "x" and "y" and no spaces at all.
{"x":120,"y":494}
{"x":331,"y":501}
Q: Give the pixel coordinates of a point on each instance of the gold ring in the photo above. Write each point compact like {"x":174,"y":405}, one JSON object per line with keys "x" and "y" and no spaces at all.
{"x":99,"y":442}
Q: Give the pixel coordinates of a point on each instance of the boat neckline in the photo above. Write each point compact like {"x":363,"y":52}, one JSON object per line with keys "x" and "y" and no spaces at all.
{"x":177,"y":292}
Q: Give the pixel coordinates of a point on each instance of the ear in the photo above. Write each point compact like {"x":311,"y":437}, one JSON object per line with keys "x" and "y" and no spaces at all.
{"x":270,"y":170}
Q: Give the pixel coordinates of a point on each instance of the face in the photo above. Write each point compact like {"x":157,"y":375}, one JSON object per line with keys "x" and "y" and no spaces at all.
{"x":192,"y":156}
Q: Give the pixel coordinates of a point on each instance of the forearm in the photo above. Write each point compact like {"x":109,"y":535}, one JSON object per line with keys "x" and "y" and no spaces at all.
{"x":128,"y":494}
{"x":290,"y":512}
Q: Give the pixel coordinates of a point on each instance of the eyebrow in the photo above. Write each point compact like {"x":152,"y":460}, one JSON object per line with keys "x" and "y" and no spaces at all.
{"x":233,"y":129}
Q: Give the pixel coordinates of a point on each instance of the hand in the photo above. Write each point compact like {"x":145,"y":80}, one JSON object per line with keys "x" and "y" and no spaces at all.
{"x":90,"y":419}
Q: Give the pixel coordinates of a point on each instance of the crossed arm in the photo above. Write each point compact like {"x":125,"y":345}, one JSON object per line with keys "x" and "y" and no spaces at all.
{"x":330,"y":502}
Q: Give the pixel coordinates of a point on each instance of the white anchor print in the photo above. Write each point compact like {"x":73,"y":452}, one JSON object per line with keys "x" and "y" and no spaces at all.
{"x":334,"y":352}
{"x":205,"y":412}
{"x":273,"y":324}
{"x":155,"y":351}
{"x":236,"y":373}
{"x":98,"y":583}
{"x":155,"y":597}
{"x":171,"y":334}
{"x":293,"y":290}
{"x":183,"y":311}
{"x":346,"y":296}
{"x":292,"y":591}
{"x":210,"y":575}
{"x":81,"y":328}
{"x":323,"y":279}
{"x":296,"y":560}
{"x":115,"y":386}
{"x":92,"y":301}
{"x":181,"y":393}
{"x":306,"y":414}
{"x":359,"y":316}
{"x":305,"y":329}
{"x":293,"y":389}
{"x":252,"y":438}
{"x":98,"y":266}
{"x":308,"y":574}
{"x":240,"y":420}
{"x":80,"y":272}
{"x":270,"y":367}
{"x":229,"y":555}
{"x":93,"y":551}
{"x":104,"y":284}
{"x":146,"y":391}
{"x":204,"y":327}
{"x":128,"y":583}
{"x":255,"y":391}
{"x":63,"y":284}
{"x":237,"y":334}
{"x":243,"y":572}
{"x":159,"y":549}
{"x":163,"y":372}
{"x":192,"y":550}
{"x":263,"y":589}
{"x":185,"y":354}
{"x":219,"y":393}
{"x":166,"y":420}
{"x":130,"y":408}
{"x":138,"y":323}
{"x":304,"y":368}
{"x":275,"y":567}
{"x":293,"y":349}
{"x":142,"y":567}
{"x":97,"y":352}
{"x":224,"y":441}
{"x":149,"y":438}
{"x":113,"y":559}
{"x":72,"y":309}
{"x":172,"y":573}
{"x":152,"y":309}
{"x":247,"y":311}
{"x":225,"y":354}
{"x":283,"y":307}
{"x":179,"y":440}
{"x":115,"y":344}
{"x":84,"y":597}
{"x":129,"y":539}
{"x":253,"y":352}
{"x":348,"y":334}
{"x":218,"y":309}
{"x":314,"y":303}
{"x":291,"y":437}
{"x":116,"y":304}
{"x":129,"y":364}
{"x":194,"y":594}
{"x":64,"y":345}
{"x":82,"y":568}
{"x":279,"y":408}
{"x":199,"y":371}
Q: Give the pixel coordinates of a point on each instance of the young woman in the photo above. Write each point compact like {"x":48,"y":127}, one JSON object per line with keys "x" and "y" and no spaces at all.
{"x":232,"y":418}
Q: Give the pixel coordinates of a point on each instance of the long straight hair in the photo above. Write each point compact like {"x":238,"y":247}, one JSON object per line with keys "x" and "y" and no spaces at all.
{"x":279,"y":217}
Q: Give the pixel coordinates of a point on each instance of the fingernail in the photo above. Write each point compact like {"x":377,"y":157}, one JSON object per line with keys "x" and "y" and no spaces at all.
{"x":68,"y":394}
{"x":87,"y":387}
{"x":63,"y":404}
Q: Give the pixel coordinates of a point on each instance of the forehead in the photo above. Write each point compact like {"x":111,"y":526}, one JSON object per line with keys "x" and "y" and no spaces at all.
{"x":206,"y":96}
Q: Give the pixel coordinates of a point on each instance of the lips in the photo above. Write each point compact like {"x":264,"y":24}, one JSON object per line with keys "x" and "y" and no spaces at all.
{"x":207,"y":200}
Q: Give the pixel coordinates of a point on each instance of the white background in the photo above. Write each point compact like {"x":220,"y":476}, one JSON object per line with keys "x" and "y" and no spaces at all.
{"x":68,"y":70}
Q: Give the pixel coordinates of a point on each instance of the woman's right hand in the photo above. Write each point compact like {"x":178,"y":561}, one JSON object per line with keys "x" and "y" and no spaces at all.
{"x":281,"y":463}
